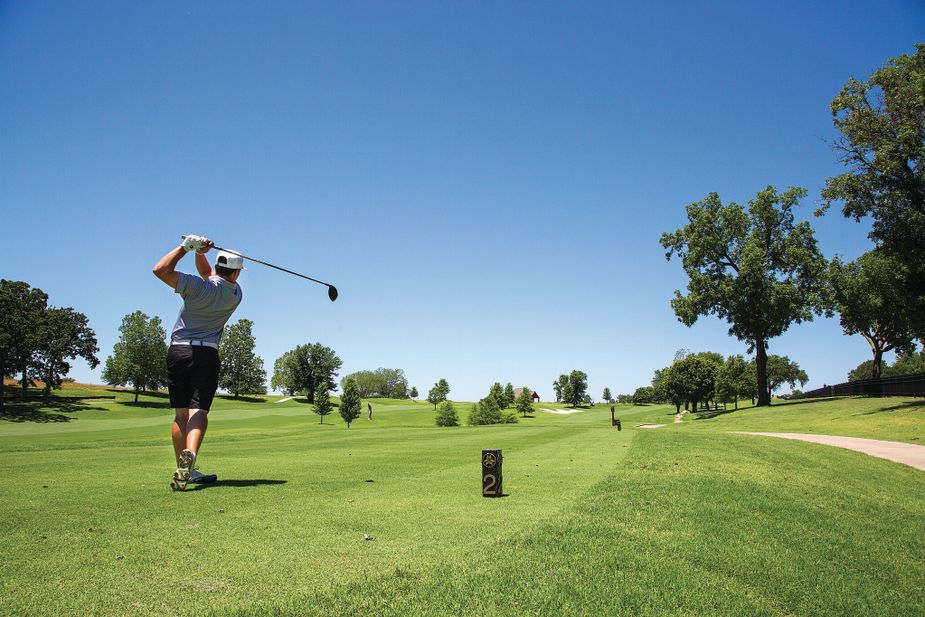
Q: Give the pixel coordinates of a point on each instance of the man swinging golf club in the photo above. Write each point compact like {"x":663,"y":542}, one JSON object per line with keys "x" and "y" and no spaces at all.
{"x":192,"y":360}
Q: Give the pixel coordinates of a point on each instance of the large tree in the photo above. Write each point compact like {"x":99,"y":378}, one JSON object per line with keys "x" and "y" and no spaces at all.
{"x":62,"y":334}
{"x":21,"y":309}
{"x":882,"y":143}
{"x":870,"y":296}
{"x":242,"y":370}
{"x":756,"y":268}
{"x":305,"y":369}
{"x":138,"y":357}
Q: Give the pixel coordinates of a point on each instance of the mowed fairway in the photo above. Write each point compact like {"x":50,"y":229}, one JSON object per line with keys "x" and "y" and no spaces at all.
{"x":689,"y":519}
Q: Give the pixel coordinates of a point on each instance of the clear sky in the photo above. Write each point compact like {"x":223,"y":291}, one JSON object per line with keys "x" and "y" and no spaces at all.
{"x":485,"y":182}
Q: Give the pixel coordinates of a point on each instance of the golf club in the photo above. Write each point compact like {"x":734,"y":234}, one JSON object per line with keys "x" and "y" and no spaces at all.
{"x":332,"y":290}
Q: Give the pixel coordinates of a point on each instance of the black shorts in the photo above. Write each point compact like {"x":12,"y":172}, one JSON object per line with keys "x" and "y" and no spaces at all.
{"x":192,"y":376}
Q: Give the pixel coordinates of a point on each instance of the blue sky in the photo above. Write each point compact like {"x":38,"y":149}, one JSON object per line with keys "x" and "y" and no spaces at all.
{"x":486,"y":183}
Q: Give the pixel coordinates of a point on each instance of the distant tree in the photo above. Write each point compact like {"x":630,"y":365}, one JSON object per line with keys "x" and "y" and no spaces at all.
{"x":908,"y":362}
{"x":241,"y":369}
{"x":882,"y":144}
{"x":438,"y":393}
{"x":781,"y":370}
{"x":305,"y":369}
{"x":285,"y":370}
{"x":381,"y":383}
{"x":350,"y":402}
{"x":734,"y":378}
{"x":607,"y":396}
{"x":870,"y":298}
{"x":62,"y":334}
{"x":485,"y":411}
{"x":497,"y":392}
{"x":643,"y":395}
{"x":138,"y":357}
{"x":323,"y":405}
{"x":625,"y":398}
{"x":509,"y":396}
{"x":413,"y":394}
{"x":756,"y":269}
{"x":446,"y":415}
{"x":669,"y":385}
{"x":576,"y":387}
{"x":21,"y":309}
{"x":524,"y":403}
{"x":698,"y":375}
{"x":866,"y":370}
{"x":557,"y":388}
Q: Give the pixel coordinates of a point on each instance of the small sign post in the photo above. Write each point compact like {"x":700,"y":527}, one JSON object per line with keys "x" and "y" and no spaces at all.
{"x":491,"y":473}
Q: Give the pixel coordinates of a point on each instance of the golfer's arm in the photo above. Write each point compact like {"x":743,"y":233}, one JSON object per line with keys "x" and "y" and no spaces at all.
{"x":165,"y":268}
{"x":202,"y":264}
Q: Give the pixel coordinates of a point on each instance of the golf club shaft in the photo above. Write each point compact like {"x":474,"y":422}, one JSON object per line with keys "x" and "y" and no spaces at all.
{"x":272,"y":266}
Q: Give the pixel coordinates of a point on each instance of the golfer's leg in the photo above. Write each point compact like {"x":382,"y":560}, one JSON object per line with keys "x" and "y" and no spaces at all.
{"x":196,"y":425}
{"x":178,"y":431}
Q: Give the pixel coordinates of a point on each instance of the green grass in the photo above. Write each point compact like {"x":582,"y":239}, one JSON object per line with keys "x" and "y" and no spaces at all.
{"x":689,"y":519}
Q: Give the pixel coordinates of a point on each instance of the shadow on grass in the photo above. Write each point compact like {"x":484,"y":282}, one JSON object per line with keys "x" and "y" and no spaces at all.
{"x":234,"y":484}
{"x":905,"y":405}
{"x":151,"y":393}
{"x":246,"y":399}
{"x":43,"y":414}
{"x":706,"y":415}
{"x":803,"y":401}
{"x":153,"y":404}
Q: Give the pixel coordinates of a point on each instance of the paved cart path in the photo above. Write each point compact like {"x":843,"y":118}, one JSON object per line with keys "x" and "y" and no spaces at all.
{"x":897,"y":451}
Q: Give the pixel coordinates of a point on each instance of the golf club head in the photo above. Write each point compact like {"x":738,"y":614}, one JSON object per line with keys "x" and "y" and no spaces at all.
{"x":332,"y":292}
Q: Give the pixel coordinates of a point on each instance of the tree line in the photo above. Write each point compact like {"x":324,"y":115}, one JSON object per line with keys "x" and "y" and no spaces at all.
{"x":762,"y":271}
{"x":699,"y":379}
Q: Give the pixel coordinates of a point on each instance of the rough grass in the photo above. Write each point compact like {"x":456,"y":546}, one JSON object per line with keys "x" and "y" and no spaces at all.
{"x":684,"y":520}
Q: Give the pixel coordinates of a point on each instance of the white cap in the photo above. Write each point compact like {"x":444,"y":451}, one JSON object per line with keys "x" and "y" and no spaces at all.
{"x":229,"y":260}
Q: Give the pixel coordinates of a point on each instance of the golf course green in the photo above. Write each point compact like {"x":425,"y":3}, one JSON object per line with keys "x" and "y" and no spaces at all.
{"x":387,"y":517}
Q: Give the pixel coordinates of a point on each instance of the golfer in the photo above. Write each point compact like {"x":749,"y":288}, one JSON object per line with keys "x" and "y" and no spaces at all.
{"x":192,"y":360}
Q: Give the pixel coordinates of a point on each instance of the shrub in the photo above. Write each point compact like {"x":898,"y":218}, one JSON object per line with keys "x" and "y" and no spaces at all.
{"x":446,"y":415}
{"x":509,"y":416}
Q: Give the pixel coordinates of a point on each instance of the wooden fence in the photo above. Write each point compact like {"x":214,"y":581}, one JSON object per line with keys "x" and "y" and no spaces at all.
{"x":895,"y":385}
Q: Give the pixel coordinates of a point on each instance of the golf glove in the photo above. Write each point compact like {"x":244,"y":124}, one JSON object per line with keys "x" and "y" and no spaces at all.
{"x":193,"y":242}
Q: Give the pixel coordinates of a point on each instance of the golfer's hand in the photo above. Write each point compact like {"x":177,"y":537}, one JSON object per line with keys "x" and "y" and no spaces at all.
{"x":206,"y":245}
{"x":193,"y":242}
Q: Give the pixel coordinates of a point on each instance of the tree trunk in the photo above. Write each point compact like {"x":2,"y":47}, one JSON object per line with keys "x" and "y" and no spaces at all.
{"x":48,"y":378}
{"x":25,"y":381}
{"x":136,"y":395}
{"x":761,"y":366}
{"x":736,"y":400}
{"x":2,"y":385}
{"x":878,"y":358}
{"x":235,"y":396}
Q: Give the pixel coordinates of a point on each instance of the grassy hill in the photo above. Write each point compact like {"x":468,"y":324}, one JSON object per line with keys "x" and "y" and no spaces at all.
{"x":685,"y":519}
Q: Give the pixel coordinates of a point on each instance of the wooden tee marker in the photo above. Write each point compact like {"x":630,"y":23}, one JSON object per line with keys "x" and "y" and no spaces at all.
{"x":491,"y":473}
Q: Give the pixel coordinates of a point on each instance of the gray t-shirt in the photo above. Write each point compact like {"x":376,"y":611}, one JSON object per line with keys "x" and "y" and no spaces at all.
{"x":207,"y":306}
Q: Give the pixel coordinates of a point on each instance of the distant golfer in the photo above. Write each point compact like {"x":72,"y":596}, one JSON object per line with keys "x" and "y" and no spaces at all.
{"x":370,"y":406}
{"x":192,"y":360}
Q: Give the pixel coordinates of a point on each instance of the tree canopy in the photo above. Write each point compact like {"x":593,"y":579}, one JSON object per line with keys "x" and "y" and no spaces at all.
{"x":138,"y":357}
{"x":870,"y":297}
{"x":438,"y":393}
{"x":241,"y":370}
{"x":882,"y":143}
{"x":306,"y":369}
{"x":782,"y":370}
{"x":350,"y":402}
{"x":21,"y":308}
{"x":62,"y":334}
{"x":756,"y":268}
{"x":381,"y":383}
